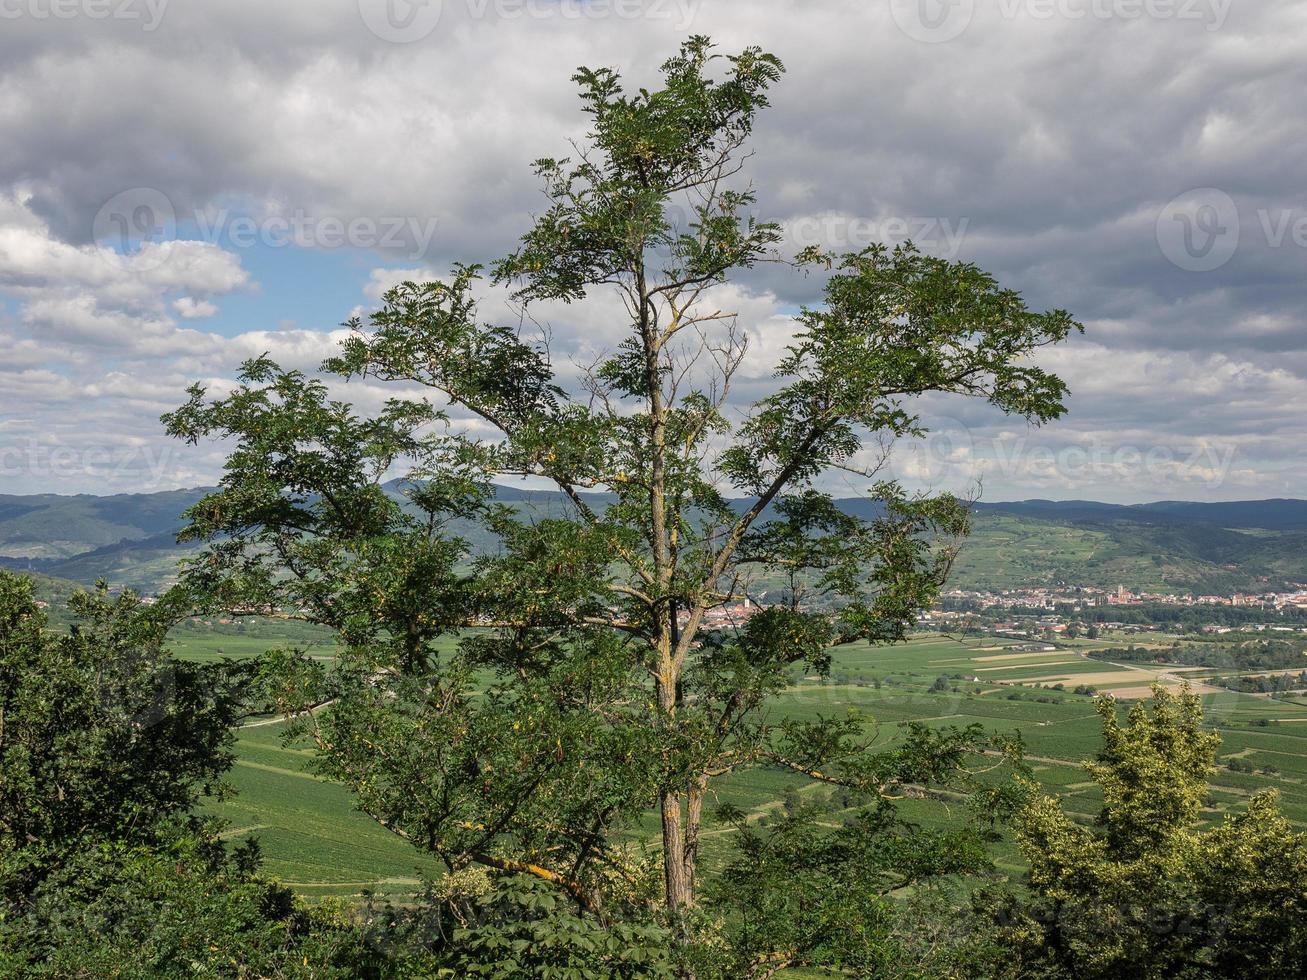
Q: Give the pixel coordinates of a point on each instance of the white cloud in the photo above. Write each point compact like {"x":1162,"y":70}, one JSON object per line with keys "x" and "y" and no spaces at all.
{"x":190,"y":308}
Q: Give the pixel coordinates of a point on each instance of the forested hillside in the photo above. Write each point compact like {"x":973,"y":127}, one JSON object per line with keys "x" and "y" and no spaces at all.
{"x":130,"y":540}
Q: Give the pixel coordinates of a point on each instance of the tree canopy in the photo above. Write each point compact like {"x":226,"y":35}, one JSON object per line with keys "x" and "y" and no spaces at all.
{"x":523,"y":707}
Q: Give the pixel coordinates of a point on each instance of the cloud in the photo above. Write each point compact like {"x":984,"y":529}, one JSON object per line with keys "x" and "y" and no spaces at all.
{"x":1058,"y":150}
{"x":190,"y":308}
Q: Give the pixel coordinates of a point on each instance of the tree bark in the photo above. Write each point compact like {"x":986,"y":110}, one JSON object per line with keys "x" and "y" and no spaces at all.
{"x":693,"y":818}
{"x":679,"y":891}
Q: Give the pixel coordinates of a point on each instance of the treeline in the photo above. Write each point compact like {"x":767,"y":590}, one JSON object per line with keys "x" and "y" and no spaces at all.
{"x":1266,"y":683}
{"x":1245,"y":655}
{"x":1178,"y":619}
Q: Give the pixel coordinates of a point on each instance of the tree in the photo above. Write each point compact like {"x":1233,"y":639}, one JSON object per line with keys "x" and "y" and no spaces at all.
{"x":106,"y":745}
{"x":178,"y":907}
{"x":102,"y":734}
{"x":1147,"y":891}
{"x":594,"y":684}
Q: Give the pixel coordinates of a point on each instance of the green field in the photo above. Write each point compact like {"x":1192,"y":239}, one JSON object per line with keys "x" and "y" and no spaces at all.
{"x":312,"y":837}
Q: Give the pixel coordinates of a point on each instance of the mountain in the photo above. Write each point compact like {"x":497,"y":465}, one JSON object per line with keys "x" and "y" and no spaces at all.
{"x":1207,"y":548}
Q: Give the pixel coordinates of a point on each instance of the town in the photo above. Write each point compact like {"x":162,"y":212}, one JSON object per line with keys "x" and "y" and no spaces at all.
{"x":1070,"y":610}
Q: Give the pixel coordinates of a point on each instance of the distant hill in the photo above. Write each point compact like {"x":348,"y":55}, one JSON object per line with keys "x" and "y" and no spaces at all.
{"x":50,"y":526}
{"x":1216,"y":548}
{"x":1273,"y":515}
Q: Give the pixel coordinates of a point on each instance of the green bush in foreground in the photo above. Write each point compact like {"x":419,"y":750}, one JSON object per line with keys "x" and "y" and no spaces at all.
{"x":106,"y":744}
{"x":1146,"y":892}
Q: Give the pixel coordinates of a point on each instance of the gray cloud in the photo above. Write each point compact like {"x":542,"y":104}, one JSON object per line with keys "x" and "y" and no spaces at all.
{"x":1056,"y":151}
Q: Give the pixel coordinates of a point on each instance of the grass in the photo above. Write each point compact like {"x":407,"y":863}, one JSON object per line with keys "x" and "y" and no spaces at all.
{"x":309,"y":832}
{"x":312,"y":837}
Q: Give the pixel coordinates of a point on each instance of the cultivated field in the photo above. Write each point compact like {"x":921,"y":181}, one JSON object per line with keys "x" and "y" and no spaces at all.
{"x":312,"y":837}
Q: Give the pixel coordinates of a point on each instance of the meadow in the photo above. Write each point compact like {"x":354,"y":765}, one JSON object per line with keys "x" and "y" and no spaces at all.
{"x":312,"y":838}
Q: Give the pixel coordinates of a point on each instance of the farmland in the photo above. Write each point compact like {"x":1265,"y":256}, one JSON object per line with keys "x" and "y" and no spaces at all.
{"x":312,"y":837}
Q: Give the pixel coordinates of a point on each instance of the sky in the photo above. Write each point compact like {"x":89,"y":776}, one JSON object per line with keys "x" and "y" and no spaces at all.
{"x":184,"y":185}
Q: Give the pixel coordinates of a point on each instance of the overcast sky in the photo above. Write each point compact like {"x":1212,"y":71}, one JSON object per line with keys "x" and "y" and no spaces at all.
{"x":186,"y":184}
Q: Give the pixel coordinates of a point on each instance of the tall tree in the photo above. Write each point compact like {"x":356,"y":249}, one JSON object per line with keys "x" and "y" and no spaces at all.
{"x":604,"y":676}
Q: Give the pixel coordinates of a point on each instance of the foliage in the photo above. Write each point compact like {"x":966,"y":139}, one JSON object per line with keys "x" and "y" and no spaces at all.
{"x":106,"y":744}
{"x":1148,"y":892}
{"x":181,"y":907}
{"x":524,"y":928}
{"x":590,"y":685}
{"x":800,"y":893}
{"x":101,"y":734}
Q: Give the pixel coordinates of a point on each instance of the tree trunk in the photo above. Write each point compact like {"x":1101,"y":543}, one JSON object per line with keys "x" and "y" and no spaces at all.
{"x":693,"y":818}
{"x":678,"y":889}
{"x":677,"y":882}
